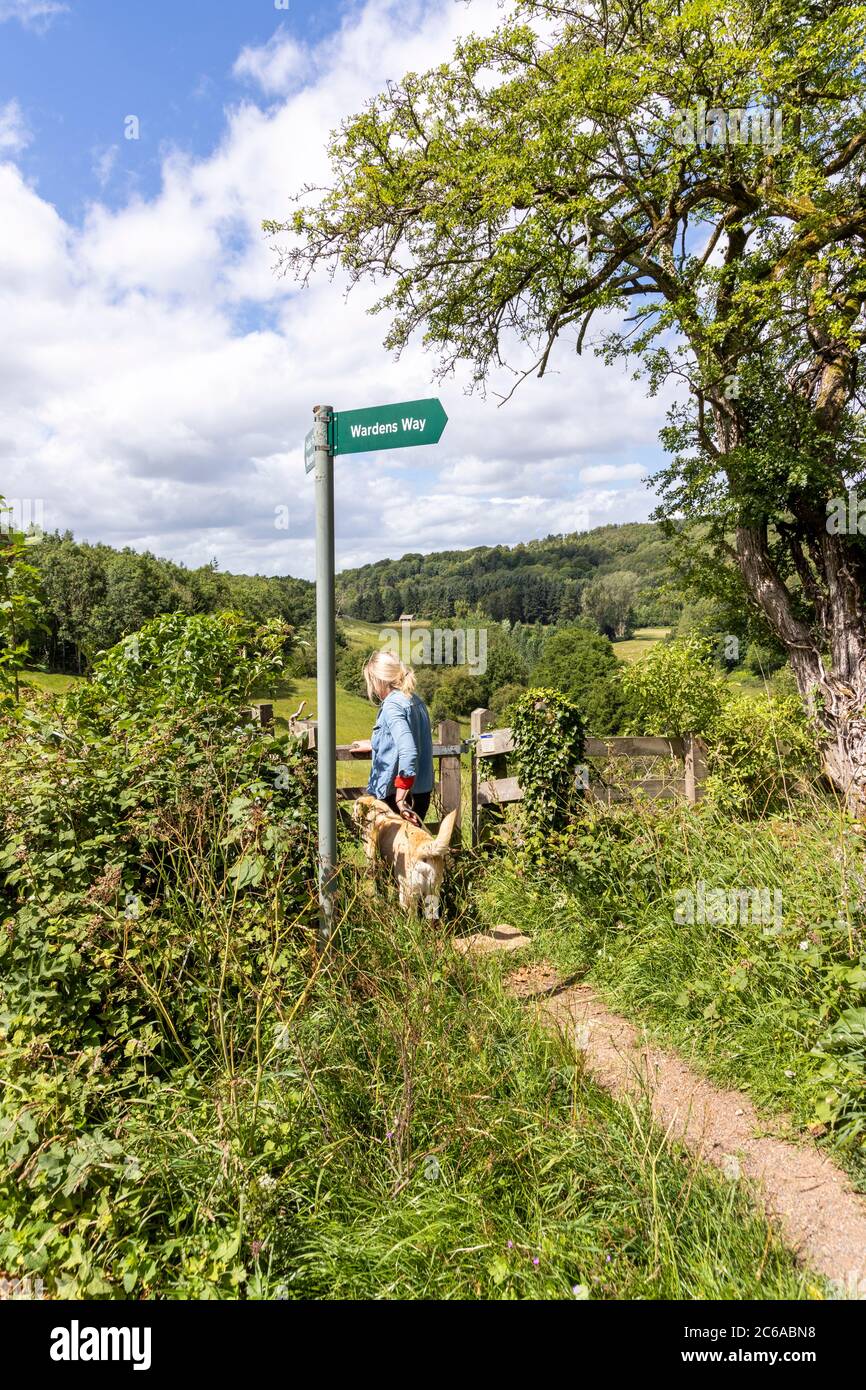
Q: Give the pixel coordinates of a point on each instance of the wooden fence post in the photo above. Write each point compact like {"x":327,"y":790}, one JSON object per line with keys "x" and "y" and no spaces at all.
{"x":479,"y":722}
{"x":306,"y":730}
{"x":264,"y":713}
{"x":695,"y":767}
{"x":261,"y":714}
{"x":449,"y":772}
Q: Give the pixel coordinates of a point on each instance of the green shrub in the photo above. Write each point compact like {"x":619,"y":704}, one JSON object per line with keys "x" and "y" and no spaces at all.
{"x":155,"y":871}
{"x":502,"y":703}
{"x":350,"y":671}
{"x":457,"y":694}
{"x":548,"y":734}
{"x":762,"y":659}
{"x":583,"y":665}
{"x":676,"y":689}
{"x":760,"y":749}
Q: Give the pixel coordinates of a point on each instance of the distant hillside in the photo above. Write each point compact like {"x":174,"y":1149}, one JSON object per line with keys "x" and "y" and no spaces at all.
{"x":537,"y":582}
{"x":95,"y":595}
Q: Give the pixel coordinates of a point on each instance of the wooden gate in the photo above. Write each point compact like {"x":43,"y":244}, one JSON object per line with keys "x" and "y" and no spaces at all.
{"x":677,"y":768}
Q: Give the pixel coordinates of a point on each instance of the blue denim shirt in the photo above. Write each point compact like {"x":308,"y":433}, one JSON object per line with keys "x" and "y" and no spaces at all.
{"x":402,"y":744}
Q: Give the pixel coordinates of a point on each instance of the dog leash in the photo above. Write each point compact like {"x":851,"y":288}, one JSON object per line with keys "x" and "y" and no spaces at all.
{"x":407,"y":811}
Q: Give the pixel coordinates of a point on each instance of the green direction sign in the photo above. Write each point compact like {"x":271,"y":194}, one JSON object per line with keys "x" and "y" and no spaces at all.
{"x":399,"y":426}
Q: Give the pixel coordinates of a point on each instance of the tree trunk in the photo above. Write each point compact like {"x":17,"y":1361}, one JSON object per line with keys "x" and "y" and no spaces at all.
{"x":832,"y":682}
{"x":844,"y":753}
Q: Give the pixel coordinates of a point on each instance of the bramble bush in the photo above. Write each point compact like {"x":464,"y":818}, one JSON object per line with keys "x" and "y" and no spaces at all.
{"x":155,"y":870}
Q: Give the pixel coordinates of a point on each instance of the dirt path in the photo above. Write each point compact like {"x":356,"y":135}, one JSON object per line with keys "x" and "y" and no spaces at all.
{"x":810,"y":1199}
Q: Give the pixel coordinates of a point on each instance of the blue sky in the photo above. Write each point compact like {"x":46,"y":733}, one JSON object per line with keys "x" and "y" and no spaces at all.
{"x":156,"y":378}
{"x":81,"y":71}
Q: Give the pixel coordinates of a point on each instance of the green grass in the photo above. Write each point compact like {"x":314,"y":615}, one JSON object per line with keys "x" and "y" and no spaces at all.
{"x":742,"y":679}
{"x":746,"y":1001}
{"x":644,"y":639}
{"x":419,"y":1136}
{"x":50,"y":682}
{"x":355,"y":717}
{"x":365,"y":636}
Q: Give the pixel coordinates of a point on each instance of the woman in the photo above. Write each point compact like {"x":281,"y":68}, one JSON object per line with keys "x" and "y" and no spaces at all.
{"x":402,"y":744}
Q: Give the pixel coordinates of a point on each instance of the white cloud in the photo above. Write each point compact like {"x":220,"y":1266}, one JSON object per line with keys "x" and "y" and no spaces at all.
{"x":14,"y":134}
{"x":104,"y":161}
{"x":276,"y":66}
{"x":612,"y":472}
{"x":33,"y":14}
{"x":138,"y":403}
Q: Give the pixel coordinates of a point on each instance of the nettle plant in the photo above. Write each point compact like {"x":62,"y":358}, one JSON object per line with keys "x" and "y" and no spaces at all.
{"x":156,"y":895}
{"x":548,"y":735}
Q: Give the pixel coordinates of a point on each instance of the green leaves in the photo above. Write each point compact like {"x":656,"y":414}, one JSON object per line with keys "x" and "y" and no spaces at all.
{"x":547,"y":730}
{"x":248,"y":872}
{"x":155,"y":870}
{"x":20,"y":604}
{"x":675,"y":689}
{"x":177,"y":662}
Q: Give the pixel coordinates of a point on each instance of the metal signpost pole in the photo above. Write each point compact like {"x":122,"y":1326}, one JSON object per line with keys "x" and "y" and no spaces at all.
{"x":326,"y":712}
{"x":399,"y":426}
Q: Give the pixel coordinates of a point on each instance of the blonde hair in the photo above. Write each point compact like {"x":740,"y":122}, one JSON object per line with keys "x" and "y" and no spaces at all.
{"x":384,"y":672}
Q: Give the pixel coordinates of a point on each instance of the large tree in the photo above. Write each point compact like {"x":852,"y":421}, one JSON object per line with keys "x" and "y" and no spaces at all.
{"x":687,"y":175}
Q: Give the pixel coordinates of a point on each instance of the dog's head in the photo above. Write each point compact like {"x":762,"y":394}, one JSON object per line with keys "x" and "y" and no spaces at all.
{"x":368,"y":811}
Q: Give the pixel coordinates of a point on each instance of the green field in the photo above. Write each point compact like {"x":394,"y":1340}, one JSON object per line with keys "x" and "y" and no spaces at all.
{"x":49,"y":681}
{"x":355,"y":717}
{"x":644,"y":639}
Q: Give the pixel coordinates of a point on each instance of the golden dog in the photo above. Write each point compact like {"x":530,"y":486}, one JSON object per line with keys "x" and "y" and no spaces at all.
{"x":418,"y":860}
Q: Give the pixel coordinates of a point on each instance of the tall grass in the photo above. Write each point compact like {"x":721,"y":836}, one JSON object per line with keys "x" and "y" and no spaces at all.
{"x":416,"y":1135}
{"x":773,"y":1007}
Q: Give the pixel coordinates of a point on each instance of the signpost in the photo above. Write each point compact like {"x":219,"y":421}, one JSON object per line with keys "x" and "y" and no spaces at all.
{"x":310,"y":451}
{"x":389,"y":426}
{"x":399,"y":426}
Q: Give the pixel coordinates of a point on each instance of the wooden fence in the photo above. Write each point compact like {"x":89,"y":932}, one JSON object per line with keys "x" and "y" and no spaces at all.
{"x":448,"y":749}
{"x":492,"y":786}
{"x":680,"y":761}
